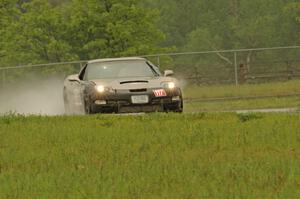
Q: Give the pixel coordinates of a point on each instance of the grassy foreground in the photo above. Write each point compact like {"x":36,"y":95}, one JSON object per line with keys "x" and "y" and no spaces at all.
{"x":214,"y":155}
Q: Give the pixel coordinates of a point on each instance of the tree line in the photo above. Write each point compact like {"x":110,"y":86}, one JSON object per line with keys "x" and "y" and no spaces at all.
{"x":43,"y":31}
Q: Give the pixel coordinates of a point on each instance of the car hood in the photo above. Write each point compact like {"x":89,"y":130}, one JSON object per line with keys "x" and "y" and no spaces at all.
{"x":133,"y":82}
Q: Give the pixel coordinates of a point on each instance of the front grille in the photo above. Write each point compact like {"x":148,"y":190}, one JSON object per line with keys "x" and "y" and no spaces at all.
{"x":138,"y":90}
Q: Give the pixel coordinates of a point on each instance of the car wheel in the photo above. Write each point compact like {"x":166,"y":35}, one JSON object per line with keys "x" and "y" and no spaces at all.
{"x":179,"y":108}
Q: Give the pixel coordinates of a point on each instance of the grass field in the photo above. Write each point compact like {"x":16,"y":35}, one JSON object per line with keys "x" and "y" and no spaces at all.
{"x":211,"y":155}
{"x":248,"y":90}
{"x":220,"y":91}
{"x":231,"y":105}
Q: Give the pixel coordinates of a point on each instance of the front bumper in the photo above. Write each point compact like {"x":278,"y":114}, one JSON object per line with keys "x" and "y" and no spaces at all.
{"x":120,"y":101}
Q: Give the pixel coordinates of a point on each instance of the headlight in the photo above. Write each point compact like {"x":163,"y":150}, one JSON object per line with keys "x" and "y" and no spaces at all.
{"x":169,"y":85}
{"x":100,"y":88}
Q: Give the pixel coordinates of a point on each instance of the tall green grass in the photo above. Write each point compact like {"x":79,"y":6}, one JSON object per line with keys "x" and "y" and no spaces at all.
{"x":220,"y":155}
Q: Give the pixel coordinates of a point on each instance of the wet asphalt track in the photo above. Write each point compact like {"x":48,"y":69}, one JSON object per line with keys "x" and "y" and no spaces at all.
{"x":272,"y":110}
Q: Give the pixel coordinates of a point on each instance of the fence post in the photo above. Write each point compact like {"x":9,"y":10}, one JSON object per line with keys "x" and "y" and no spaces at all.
{"x":158,"y":61}
{"x":236,"y":69}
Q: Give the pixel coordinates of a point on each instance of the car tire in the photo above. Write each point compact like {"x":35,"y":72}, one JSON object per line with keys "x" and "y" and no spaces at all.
{"x":179,"y":109}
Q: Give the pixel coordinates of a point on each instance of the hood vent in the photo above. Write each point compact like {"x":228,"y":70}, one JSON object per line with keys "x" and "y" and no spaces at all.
{"x":138,"y":90}
{"x":134,"y":82}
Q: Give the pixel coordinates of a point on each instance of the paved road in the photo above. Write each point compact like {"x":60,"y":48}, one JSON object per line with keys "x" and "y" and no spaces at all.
{"x":274,"y":110}
{"x":270,"y":110}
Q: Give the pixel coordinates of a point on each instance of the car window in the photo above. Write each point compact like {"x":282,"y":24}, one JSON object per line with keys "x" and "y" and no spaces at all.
{"x":119,"y":69}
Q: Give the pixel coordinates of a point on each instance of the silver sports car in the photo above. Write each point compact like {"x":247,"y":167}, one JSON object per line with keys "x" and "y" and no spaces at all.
{"x":122,"y":85}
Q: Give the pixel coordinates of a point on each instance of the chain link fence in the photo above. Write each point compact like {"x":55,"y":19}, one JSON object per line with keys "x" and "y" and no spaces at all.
{"x":211,"y":67}
{"x":234,"y":66}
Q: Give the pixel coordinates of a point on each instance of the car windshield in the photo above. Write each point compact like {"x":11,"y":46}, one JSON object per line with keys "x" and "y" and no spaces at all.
{"x":120,"y":69}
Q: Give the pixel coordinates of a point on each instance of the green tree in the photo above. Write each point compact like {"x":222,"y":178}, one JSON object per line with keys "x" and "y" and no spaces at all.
{"x":104,"y":28}
{"x":178,"y":18}
{"x":37,"y":36}
{"x":44,"y":31}
{"x":292,"y":10}
{"x":241,"y":24}
{"x":7,"y":14}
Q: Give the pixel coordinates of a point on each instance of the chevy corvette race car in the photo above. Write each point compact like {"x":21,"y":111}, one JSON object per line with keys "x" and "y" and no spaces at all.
{"x":122,"y":85}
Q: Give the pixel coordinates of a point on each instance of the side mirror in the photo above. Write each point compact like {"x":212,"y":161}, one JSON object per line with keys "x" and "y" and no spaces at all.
{"x":73,"y":78}
{"x":169,"y":73}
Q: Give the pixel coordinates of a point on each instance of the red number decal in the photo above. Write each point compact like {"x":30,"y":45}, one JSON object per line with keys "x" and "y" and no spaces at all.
{"x":160,"y":93}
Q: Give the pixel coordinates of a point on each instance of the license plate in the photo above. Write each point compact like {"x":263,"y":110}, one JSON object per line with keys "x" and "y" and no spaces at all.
{"x":160,"y":93}
{"x":140,"y":99}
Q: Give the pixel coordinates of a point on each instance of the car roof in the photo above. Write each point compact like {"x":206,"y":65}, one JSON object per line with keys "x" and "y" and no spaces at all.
{"x":116,"y":59}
